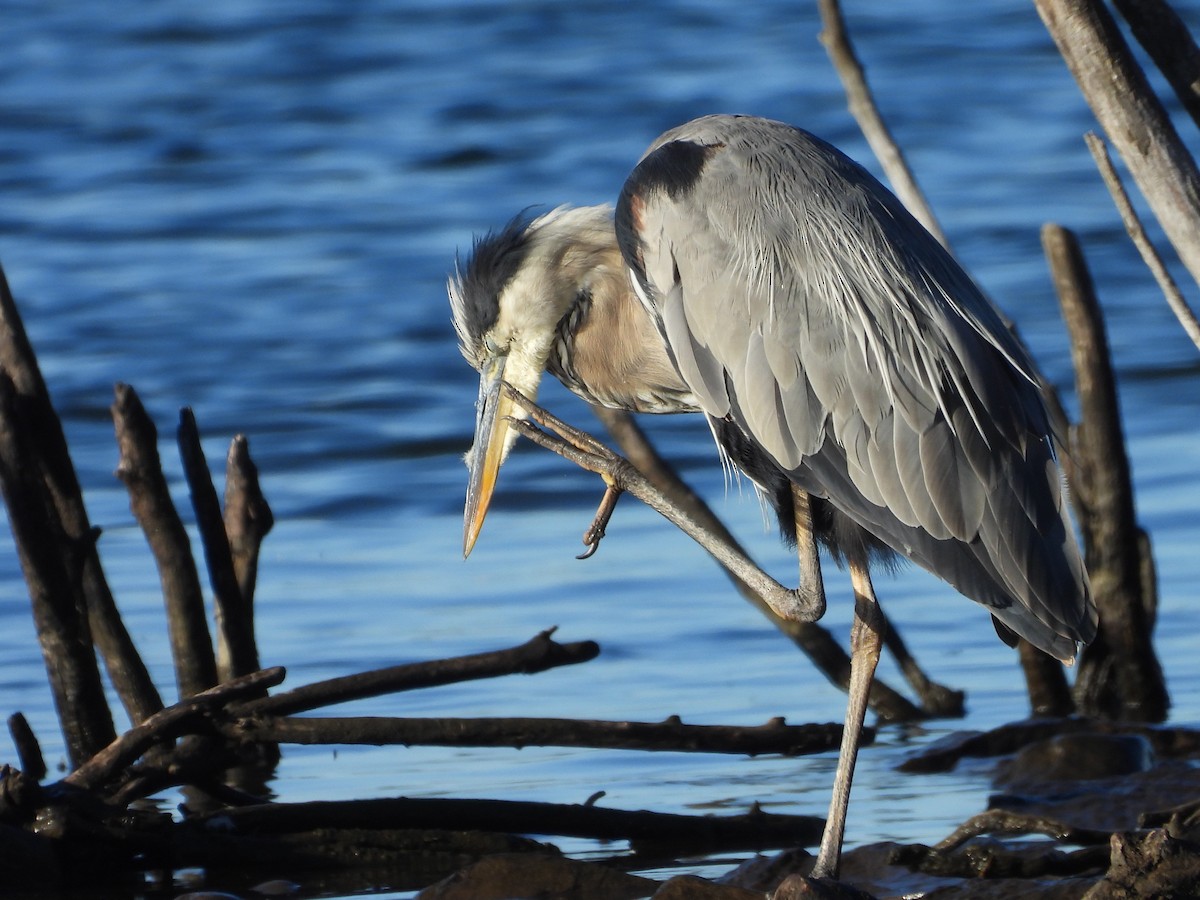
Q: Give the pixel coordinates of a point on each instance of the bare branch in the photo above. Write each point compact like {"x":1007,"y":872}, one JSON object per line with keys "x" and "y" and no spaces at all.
{"x":1165,"y":36}
{"x":752,"y":830}
{"x":237,"y":653}
{"x":1137,"y":234}
{"x":1132,"y":116}
{"x":165,"y":725}
{"x":1006,"y":822}
{"x":1119,"y":674}
{"x":54,"y":471}
{"x":862,"y":106}
{"x":248,"y":518}
{"x":150,"y":501}
{"x":671,"y":735}
{"x":536,"y":655}
{"x":52,"y":565}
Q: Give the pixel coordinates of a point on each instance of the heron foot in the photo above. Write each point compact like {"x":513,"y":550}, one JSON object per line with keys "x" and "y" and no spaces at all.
{"x":595,"y":532}
{"x":583,"y":450}
{"x":803,"y":604}
{"x":577,"y":438}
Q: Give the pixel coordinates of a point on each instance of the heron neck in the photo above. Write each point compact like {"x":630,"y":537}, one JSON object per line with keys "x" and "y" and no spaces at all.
{"x":608,"y":349}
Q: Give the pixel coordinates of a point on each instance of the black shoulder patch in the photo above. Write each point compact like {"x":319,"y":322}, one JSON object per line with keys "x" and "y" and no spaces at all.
{"x":674,"y":168}
{"x":494,"y":260}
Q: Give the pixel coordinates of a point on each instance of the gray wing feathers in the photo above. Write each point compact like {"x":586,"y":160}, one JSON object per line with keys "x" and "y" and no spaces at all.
{"x":702,"y":372}
{"x":845,"y":342}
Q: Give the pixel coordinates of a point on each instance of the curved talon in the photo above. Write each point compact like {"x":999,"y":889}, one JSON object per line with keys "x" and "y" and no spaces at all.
{"x":595,"y":532}
{"x":593,"y":544}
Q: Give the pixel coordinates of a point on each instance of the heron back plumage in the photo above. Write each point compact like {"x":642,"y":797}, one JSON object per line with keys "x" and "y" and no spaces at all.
{"x":802,"y":304}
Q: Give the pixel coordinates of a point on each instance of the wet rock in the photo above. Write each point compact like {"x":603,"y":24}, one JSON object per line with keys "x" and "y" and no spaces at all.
{"x":943,"y":755}
{"x":1148,"y":866}
{"x":882,"y":870}
{"x":690,"y":887}
{"x":801,"y":887}
{"x":865,"y":871}
{"x":1068,"y":758}
{"x":277,"y":887}
{"x":991,"y":858}
{"x":1009,"y":888}
{"x":763,"y":873}
{"x":1107,"y":804}
{"x":520,"y":875}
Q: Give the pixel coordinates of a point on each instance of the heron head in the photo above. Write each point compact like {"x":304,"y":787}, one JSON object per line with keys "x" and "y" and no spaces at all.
{"x":507,"y":303}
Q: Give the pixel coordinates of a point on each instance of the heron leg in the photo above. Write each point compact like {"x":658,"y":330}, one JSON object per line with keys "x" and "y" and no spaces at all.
{"x":866,"y":639}
{"x":588,"y":453}
{"x":812,"y":586}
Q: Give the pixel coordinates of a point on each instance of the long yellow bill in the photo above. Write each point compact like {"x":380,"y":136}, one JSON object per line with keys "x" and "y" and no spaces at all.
{"x":492,"y":410}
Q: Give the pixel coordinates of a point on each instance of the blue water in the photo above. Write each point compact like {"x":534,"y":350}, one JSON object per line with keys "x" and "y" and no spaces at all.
{"x":250,"y":208}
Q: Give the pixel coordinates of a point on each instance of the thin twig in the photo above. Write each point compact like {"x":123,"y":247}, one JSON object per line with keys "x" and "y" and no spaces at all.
{"x":536,"y":655}
{"x":862,"y":106}
{"x":1179,"y":306}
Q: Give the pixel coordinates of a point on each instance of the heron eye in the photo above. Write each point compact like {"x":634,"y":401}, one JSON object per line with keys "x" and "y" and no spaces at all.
{"x":492,"y":346}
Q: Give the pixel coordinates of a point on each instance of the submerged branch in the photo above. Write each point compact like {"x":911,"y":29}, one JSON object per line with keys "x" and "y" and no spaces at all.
{"x":170,"y":723}
{"x":748,"y":831}
{"x":672,"y":735}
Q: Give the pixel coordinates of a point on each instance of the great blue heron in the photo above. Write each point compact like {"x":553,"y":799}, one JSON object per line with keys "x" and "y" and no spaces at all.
{"x":837,"y":351}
